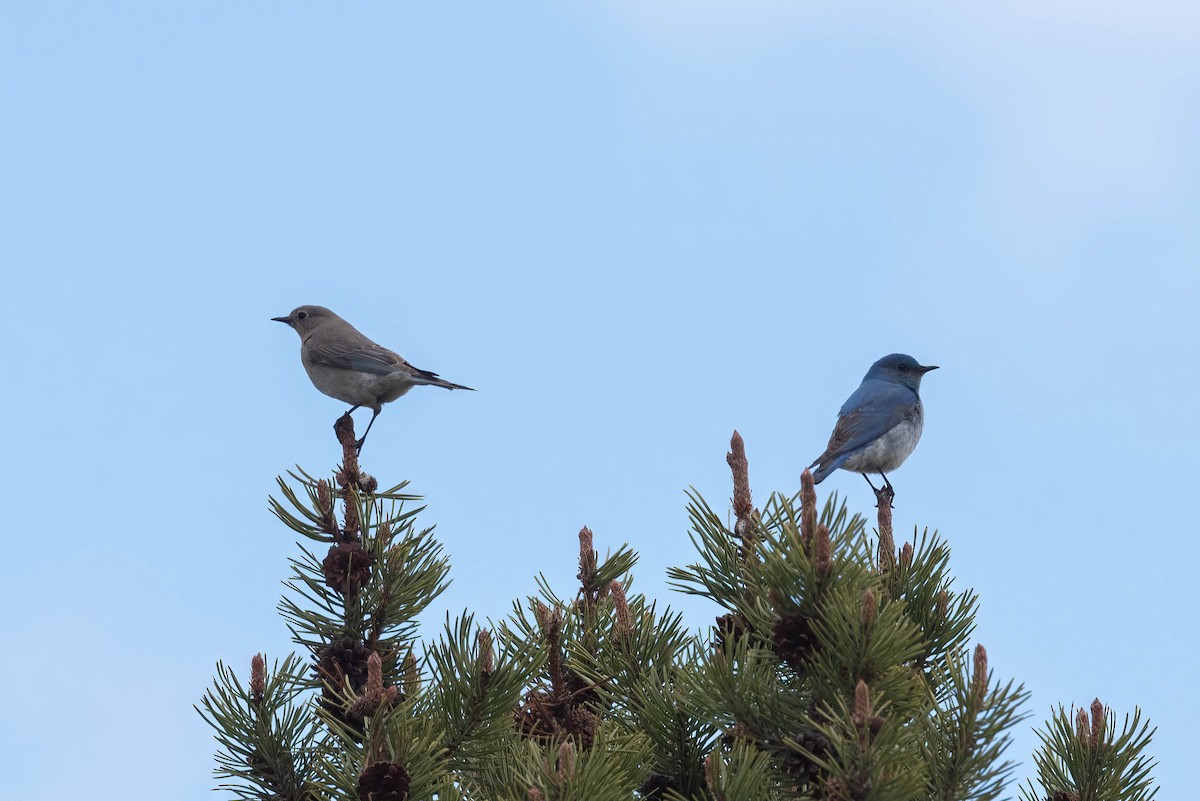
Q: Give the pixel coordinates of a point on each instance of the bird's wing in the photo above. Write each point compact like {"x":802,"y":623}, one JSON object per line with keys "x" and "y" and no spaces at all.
{"x":873,"y":410}
{"x":364,"y":356}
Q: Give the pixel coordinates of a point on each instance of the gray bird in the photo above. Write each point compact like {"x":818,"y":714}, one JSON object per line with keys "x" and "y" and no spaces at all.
{"x":346,"y":365}
{"x":879,"y":425}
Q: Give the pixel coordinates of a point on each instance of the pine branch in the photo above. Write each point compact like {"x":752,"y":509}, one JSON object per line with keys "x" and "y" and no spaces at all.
{"x":1084,"y":758}
{"x":840,"y":671}
{"x":267,"y":735}
{"x":473,"y":693}
{"x":967,"y":734}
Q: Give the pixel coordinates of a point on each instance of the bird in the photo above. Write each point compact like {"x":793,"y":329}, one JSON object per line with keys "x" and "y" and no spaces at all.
{"x":879,"y":425}
{"x":344,"y":364}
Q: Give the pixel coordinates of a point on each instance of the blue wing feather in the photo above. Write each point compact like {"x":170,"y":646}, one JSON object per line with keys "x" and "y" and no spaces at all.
{"x":875,"y":408}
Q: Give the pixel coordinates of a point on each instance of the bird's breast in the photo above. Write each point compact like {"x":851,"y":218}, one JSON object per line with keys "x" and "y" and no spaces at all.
{"x":356,"y":387}
{"x":888,"y":451}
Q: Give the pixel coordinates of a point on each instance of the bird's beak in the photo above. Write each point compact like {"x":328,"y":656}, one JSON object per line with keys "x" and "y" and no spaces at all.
{"x":282,"y":320}
{"x":927,"y":368}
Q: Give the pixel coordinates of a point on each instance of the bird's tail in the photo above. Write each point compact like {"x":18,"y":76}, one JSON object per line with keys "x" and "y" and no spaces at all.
{"x":432,"y":379}
{"x":822,"y":472}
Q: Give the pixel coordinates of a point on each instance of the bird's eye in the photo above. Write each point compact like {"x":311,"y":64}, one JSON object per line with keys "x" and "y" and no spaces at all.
{"x":902,"y":368}
{"x":301,"y":315}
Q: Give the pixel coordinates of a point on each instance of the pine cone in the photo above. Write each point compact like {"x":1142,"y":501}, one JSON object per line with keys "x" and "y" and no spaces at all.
{"x":344,"y":658}
{"x":835,"y":790}
{"x":582,"y":692}
{"x":656,"y":785}
{"x":384,"y":781}
{"x":582,"y":723}
{"x":798,"y":765}
{"x":731,"y":628}
{"x":1063,"y":795}
{"x":347,"y":567}
{"x":793,"y":638}
{"x":537,"y":718}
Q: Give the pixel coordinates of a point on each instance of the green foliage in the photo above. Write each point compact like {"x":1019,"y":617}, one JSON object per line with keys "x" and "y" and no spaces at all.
{"x":963,"y":742}
{"x":472,"y":693}
{"x":609,"y":770}
{"x":268,"y":738}
{"x":1084,"y":758}
{"x":841,"y":657}
{"x":840,"y":670}
{"x":741,"y":773}
{"x":410,"y":568}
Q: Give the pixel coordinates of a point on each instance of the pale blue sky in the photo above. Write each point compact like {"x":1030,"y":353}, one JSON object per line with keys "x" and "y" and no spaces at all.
{"x":633,"y":225}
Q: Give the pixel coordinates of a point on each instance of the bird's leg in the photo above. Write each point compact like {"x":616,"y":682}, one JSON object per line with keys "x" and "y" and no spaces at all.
{"x":884,"y":493}
{"x":363,"y":438}
{"x":349,"y":413}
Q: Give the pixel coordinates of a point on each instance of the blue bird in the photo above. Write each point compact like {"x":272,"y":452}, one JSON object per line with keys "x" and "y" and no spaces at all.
{"x":879,"y":425}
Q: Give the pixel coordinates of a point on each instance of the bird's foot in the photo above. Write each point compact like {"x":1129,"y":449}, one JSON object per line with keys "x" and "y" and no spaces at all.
{"x":885,"y":494}
{"x":358,"y":443}
{"x":343,"y":427}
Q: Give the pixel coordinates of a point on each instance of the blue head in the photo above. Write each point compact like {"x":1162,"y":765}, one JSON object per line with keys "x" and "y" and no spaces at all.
{"x":899,"y":368}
